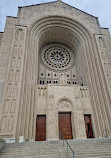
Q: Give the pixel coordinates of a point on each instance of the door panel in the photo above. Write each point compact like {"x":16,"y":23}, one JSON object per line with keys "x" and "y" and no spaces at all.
{"x":88,"y":125}
{"x":65,"y":127}
{"x":41,"y":128}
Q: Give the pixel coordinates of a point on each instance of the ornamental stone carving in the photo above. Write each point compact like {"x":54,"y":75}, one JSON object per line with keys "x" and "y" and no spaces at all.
{"x":51,"y":122}
{"x":15,"y":50}
{"x":20,"y":50}
{"x":77,"y":92}
{"x":50,"y":91}
{"x":101,"y":42}
{"x":57,"y":56}
{"x":6,"y":106}
{"x":19,"y":35}
{"x":13,"y":63}
{"x":81,"y":125}
{"x":13,"y":106}
{"x":51,"y":101}
{"x":108,"y":79}
{"x":62,"y":79}
{"x":15,"y":90}
{"x":18,"y":62}
{"x":11,"y":75}
{"x":9,"y":90}
{"x":4,"y":123}
{"x":10,"y":123}
{"x":64,"y":104}
{"x":17,"y":75}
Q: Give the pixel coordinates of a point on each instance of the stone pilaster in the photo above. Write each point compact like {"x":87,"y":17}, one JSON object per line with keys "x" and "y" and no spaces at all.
{"x":11,"y":94}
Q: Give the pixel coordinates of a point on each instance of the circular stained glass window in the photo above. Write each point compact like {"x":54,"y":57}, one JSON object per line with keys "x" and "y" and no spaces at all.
{"x":57,"y":57}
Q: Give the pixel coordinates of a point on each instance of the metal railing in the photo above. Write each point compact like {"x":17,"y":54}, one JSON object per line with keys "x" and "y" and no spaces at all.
{"x":68,"y":146}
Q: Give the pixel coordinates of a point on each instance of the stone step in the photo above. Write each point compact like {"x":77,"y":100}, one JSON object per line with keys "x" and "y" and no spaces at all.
{"x":93,"y":148}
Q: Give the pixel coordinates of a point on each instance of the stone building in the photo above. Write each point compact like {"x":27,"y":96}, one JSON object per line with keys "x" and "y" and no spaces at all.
{"x":55,"y":74}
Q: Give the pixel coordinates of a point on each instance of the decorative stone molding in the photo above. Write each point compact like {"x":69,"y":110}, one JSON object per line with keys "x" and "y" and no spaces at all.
{"x":11,"y":95}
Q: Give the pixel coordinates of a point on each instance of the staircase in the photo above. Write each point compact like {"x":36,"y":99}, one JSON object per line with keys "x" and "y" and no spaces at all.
{"x":87,"y":148}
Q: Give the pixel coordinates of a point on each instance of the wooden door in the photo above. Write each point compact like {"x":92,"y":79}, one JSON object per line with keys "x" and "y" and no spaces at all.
{"x":41,"y":128}
{"x":88,"y":125}
{"x":65,"y":126}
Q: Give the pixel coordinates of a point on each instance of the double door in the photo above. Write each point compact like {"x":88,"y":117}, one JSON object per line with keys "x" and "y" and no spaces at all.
{"x":65,"y":126}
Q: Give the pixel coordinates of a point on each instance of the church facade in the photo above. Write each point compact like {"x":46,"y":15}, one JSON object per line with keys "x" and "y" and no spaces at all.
{"x":55,"y":74}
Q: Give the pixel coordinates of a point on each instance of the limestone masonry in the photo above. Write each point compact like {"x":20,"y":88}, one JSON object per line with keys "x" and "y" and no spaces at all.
{"x":55,"y":74}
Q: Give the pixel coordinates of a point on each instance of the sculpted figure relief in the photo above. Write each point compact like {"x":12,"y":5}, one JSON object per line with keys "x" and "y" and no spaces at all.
{"x":18,"y":62}
{"x":108,"y":79}
{"x":20,"y":50}
{"x":13,"y":106}
{"x":15,"y":50}
{"x":17,"y":75}
{"x":19,"y":35}
{"x":6,"y":106}
{"x":15,"y":90}
{"x":13,"y":64}
{"x":11,"y":75}
{"x":102,"y":42}
{"x":63,"y":79}
{"x":51,"y":101}
{"x":9,"y":90}
{"x":4,"y":122}
{"x":10,"y":123}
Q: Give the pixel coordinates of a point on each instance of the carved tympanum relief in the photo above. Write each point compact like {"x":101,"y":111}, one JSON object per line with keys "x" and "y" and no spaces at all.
{"x":64,"y":105}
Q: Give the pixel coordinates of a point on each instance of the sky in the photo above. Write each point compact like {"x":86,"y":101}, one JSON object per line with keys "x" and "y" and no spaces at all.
{"x":98,"y":8}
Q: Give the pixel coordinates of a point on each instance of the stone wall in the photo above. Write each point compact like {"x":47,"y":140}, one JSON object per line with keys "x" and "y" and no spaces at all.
{"x":19,"y":68}
{"x":1,"y":34}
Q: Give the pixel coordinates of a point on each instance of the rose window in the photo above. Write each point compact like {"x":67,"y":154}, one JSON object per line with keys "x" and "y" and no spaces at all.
{"x":57,"y":56}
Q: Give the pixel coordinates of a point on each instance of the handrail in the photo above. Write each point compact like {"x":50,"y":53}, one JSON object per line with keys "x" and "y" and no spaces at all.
{"x":67,"y":145}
